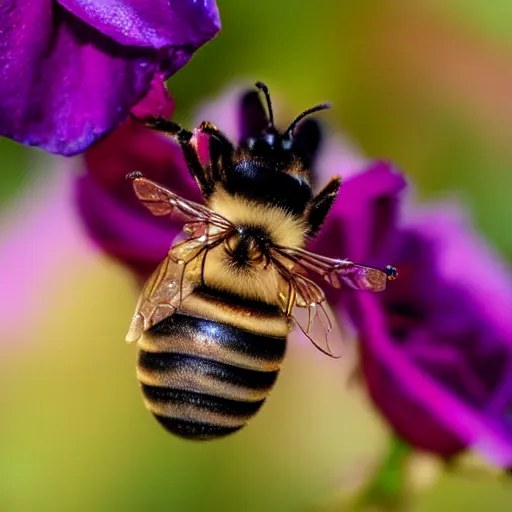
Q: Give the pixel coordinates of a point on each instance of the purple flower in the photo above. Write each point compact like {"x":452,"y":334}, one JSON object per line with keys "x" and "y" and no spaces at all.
{"x":71,"y":70}
{"x":449,"y":322}
{"x":436,"y":346}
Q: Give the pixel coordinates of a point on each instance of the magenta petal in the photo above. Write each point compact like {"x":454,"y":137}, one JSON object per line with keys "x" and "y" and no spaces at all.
{"x":252,"y":117}
{"x":64,"y":84}
{"x":158,"y":101}
{"x":150,"y":23}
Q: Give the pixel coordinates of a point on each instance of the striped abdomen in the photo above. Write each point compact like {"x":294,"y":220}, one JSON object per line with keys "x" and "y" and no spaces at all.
{"x":206,"y":370}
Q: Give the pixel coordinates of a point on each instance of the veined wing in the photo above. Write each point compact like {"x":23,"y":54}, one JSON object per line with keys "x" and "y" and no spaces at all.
{"x":170,"y":283}
{"x":336,"y":272}
{"x":161,"y":201}
{"x":305,"y":302}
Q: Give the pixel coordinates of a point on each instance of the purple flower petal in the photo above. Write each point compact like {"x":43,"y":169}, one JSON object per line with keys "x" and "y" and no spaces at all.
{"x":449,"y":418}
{"x":150,"y":23}
{"x":437,"y":345}
{"x":66,"y":83}
{"x":363,"y":216}
{"x":123,"y":232}
{"x":223,"y":111}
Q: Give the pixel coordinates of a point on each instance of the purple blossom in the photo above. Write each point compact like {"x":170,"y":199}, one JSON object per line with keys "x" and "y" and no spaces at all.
{"x":437,"y":347}
{"x":71,"y":70}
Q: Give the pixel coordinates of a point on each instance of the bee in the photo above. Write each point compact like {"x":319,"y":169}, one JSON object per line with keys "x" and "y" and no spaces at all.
{"x":212,"y":321}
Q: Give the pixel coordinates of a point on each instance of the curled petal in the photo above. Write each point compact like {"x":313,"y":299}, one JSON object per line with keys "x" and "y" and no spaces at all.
{"x":150,"y":23}
{"x":252,"y":117}
{"x":157,"y":102}
{"x":66,"y":83}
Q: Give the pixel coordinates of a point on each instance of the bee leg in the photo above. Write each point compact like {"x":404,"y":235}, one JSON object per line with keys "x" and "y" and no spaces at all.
{"x":321,"y":204}
{"x":221,"y":150}
{"x":183,"y":138}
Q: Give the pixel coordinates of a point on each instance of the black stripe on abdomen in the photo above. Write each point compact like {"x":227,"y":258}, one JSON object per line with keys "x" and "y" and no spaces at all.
{"x":204,"y":379}
{"x":196,"y":415}
{"x":171,"y":367}
{"x":217,"y":341}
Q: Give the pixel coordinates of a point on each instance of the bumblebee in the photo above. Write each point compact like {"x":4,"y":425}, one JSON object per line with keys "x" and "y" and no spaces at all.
{"x":212,"y":321}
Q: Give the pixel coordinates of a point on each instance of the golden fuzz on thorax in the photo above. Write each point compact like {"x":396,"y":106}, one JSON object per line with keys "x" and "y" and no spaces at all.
{"x":282,"y":227}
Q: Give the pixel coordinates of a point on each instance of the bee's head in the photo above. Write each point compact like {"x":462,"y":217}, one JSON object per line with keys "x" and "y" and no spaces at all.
{"x":296,"y":146}
{"x":272,"y":165}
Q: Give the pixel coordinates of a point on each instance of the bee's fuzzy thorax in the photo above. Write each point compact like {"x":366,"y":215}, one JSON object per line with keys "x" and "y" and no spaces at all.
{"x":283,"y":227}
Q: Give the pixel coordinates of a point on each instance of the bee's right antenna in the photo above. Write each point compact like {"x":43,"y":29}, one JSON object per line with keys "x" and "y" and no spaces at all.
{"x":262,"y":87}
{"x":288,"y":132}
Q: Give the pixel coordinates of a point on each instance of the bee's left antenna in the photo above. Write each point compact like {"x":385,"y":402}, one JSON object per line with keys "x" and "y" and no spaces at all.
{"x":262,"y":87}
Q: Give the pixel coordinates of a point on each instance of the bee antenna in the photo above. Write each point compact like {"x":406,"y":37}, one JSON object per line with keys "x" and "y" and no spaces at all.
{"x":263,"y":88}
{"x":300,"y":117}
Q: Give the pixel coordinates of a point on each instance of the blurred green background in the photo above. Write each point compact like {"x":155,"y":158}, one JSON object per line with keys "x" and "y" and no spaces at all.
{"x":427,"y":85}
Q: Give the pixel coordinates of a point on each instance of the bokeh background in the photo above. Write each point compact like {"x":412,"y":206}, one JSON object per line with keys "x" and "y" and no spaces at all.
{"x":427,"y":84}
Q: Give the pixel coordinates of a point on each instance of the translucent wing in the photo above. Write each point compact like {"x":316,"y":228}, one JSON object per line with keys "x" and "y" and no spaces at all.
{"x":304,"y":301}
{"x":161,"y":201}
{"x":336,"y":272}
{"x":173,"y":280}
{"x":160,"y":297}
{"x":181,"y":270}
